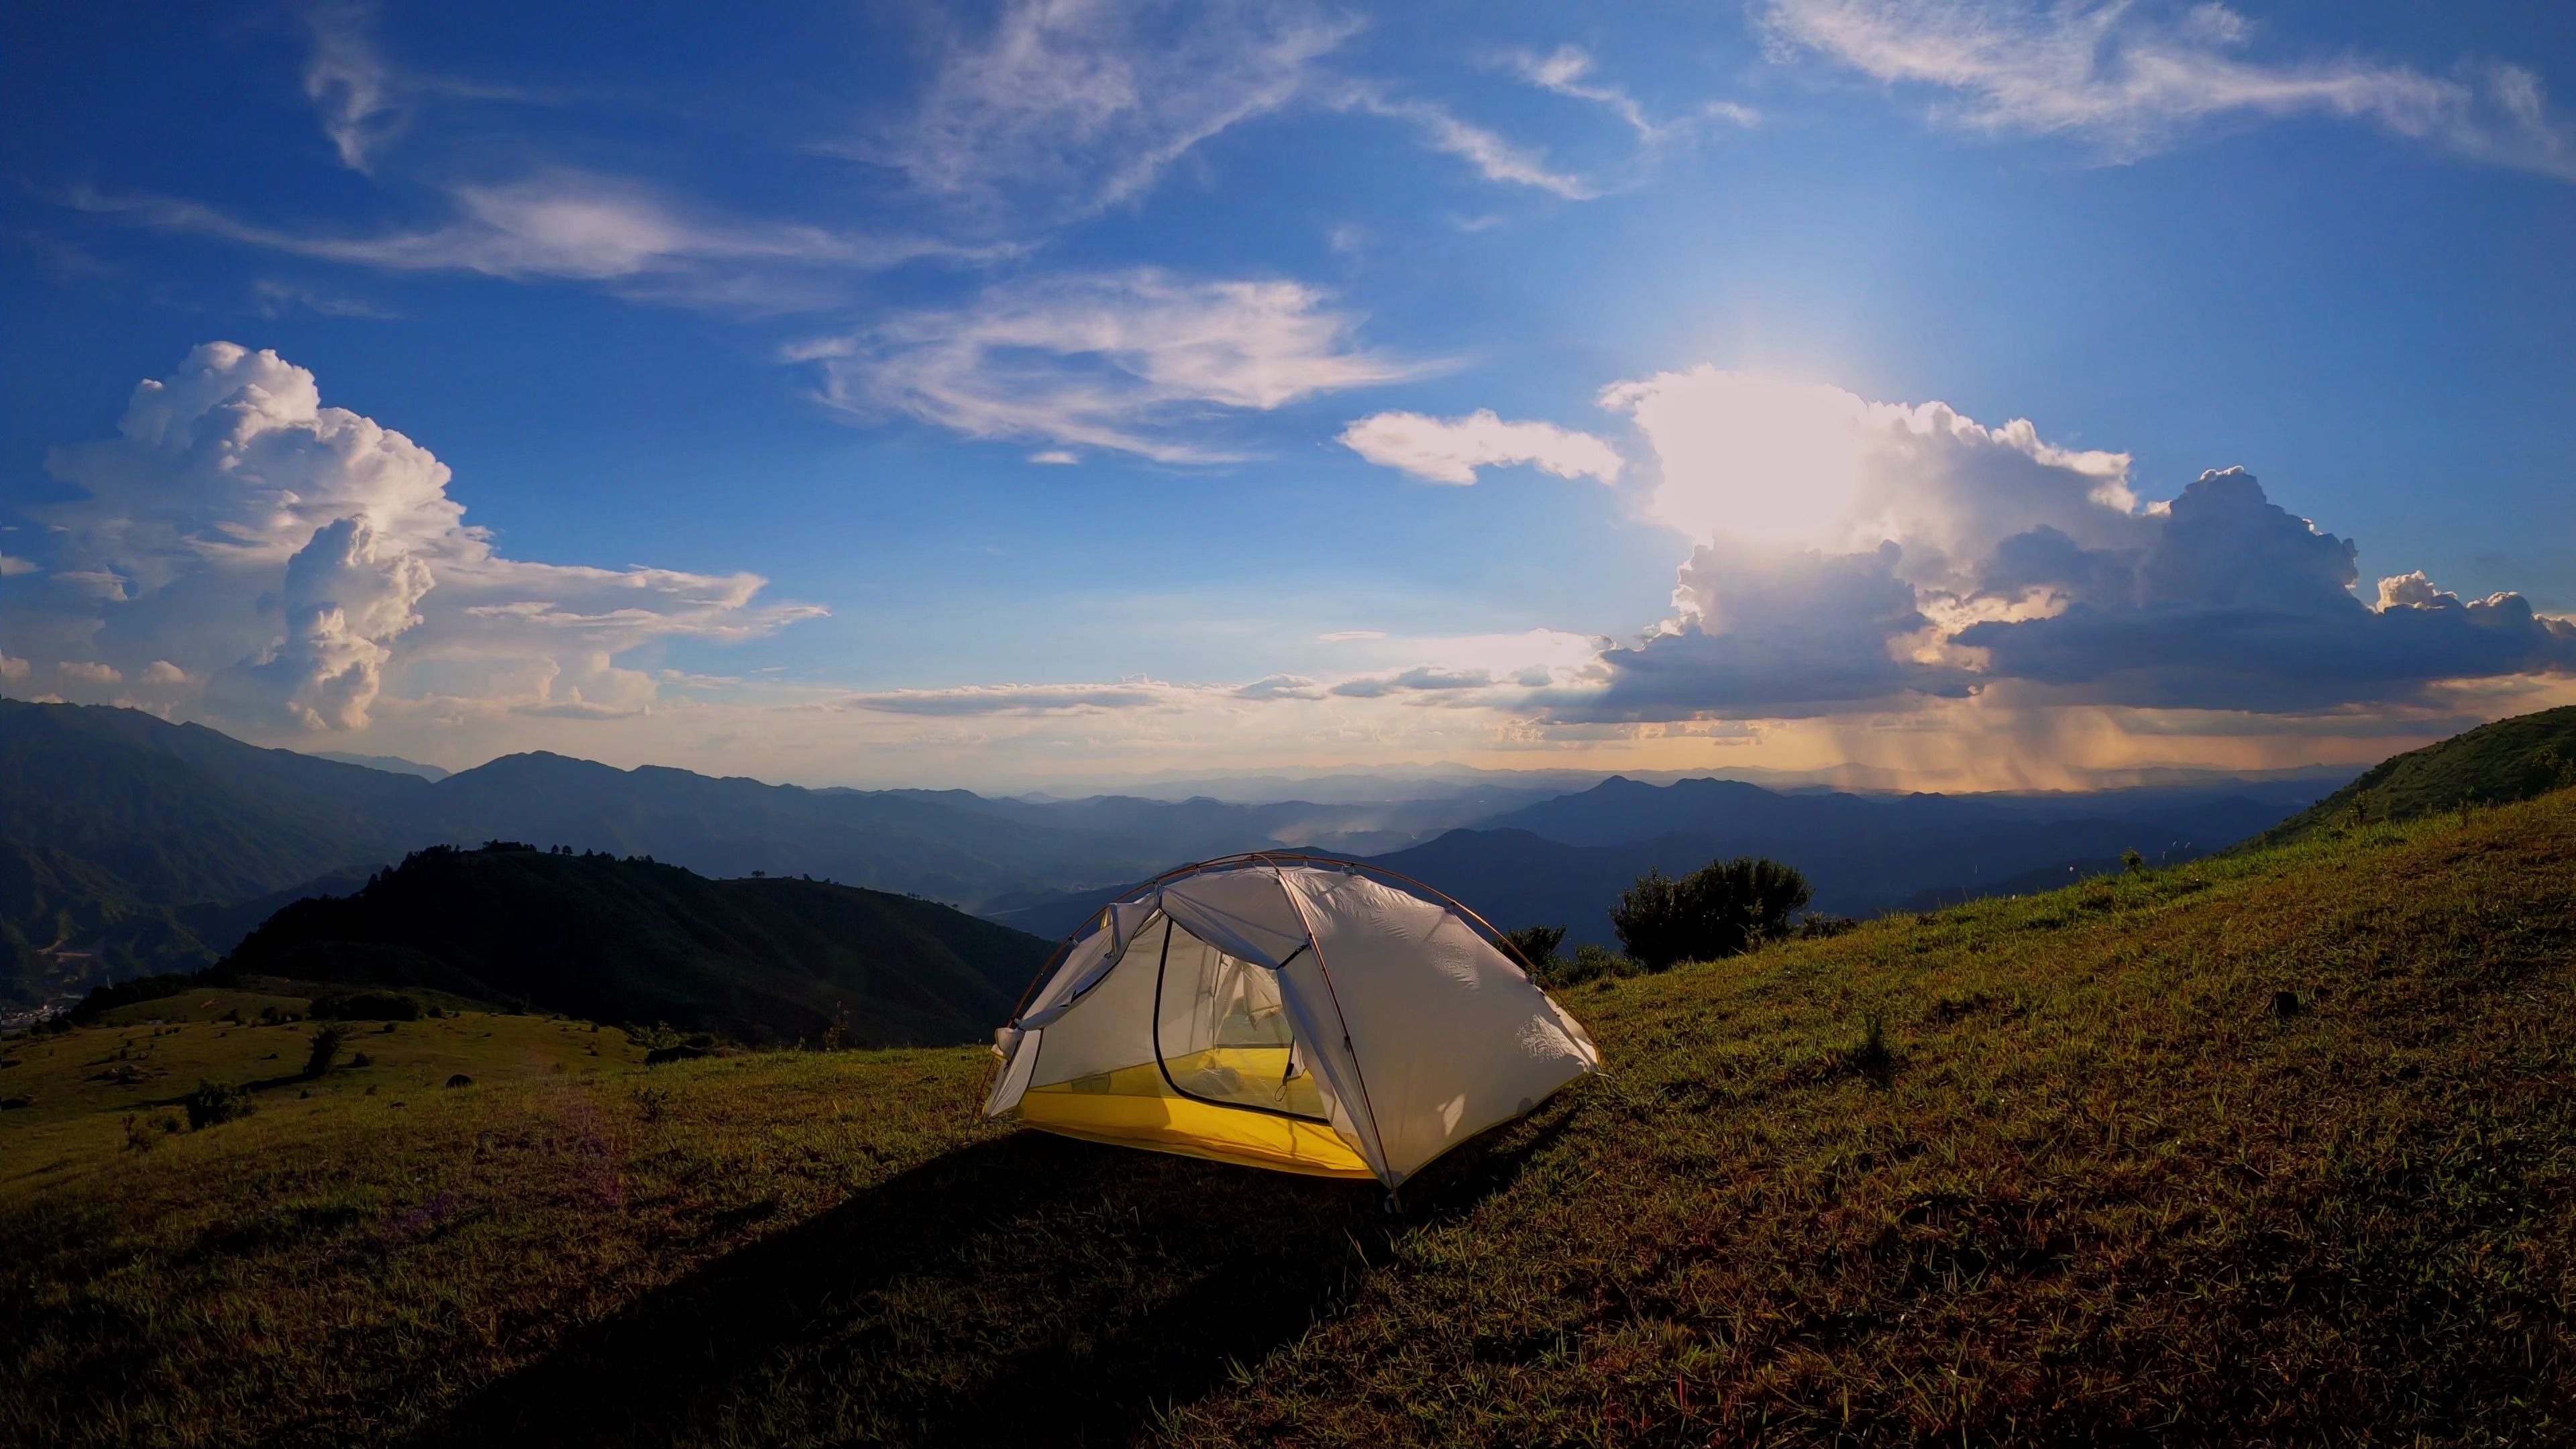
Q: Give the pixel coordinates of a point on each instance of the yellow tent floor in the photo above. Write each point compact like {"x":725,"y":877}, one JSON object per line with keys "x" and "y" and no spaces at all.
{"x":1135,"y":1107}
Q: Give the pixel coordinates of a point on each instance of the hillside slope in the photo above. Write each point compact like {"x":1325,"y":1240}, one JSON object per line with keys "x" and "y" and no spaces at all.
{"x":2278,"y":1148}
{"x":2511,"y":759}
{"x":633,"y":941}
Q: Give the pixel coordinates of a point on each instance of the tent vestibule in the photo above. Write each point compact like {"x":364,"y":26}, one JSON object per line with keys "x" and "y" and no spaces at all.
{"x":1285,"y":1012}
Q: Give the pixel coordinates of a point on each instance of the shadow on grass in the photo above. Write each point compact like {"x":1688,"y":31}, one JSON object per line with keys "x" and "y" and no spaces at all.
{"x":1028,"y":1288}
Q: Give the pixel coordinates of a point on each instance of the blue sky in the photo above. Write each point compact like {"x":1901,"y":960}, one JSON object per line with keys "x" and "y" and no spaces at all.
{"x":1047,"y":394}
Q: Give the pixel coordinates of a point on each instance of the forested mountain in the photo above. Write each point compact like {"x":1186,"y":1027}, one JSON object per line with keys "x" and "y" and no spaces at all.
{"x":630,"y":940}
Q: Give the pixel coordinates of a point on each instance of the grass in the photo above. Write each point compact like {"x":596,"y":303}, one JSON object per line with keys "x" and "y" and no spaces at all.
{"x":2044,"y":1170}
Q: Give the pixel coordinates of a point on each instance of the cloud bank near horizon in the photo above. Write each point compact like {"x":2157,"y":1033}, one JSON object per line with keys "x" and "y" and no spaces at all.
{"x":1861,"y":577}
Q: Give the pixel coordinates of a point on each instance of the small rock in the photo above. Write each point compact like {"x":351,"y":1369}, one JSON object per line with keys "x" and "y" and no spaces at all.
{"x":460,"y":1080}
{"x":2285,"y":1004}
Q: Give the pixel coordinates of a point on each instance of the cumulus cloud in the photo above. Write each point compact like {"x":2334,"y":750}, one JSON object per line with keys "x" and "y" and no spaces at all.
{"x":1104,"y":361}
{"x":13,"y":670}
{"x":1811,"y":465}
{"x":2239,"y":604}
{"x":2131,"y":78}
{"x":1853,"y":554}
{"x":347,"y":594}
{"x":89,"y":672}
{"x":303,"y":561}
{"x":1451,"y":450}
{"x":1764,"y":633}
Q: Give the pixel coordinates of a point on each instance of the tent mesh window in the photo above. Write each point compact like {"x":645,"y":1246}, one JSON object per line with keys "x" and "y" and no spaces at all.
{"x":1221,"y":1032}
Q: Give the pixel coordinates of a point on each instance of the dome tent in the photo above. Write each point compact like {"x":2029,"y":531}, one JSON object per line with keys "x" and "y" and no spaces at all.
{"x":1292,"y":1012}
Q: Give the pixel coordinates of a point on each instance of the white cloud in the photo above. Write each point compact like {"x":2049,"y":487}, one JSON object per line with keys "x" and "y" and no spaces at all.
{"x":348,"y":593}
{"x":13,"y":669}
{"x":1280,"y":686}
{"x":276,"y":298}
{"x":1068,"y":107}
{"x":1451,"y":450}
{"x":2132,"y":77}
{"x":1103,"y":361}
{"x":1027,"y":699}
{"x":1568,"y":71}
{"x":1344,"y":636}
{"x":568,"y":225}
{"x":12,"y":566}
{"x":350,"y":86}
{"x":1811,"y":465}
{"x":1494,"y":158}
{"x":304,"y":561}
{"x":1055,"y":457}
{"x":89,"y":672}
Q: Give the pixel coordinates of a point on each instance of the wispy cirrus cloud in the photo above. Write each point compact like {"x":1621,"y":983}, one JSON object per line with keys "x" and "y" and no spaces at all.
{"x":1069,"y":107}
{"x":1494,"y":158}
{"x":573,"y":226}
{"x":1570,"y":71}
{"x":2132,"y":78}
{"x":1105,"y":361}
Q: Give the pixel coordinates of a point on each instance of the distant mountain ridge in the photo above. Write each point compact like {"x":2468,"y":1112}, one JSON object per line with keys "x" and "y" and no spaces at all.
{"x":631,"y":940}
{"x":1563,"y":862}
{"x":136,"y":844}
{"x":390,"y":764}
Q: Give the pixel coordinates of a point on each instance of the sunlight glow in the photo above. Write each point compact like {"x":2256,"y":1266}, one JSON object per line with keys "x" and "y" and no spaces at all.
{"x":1754,"y":457}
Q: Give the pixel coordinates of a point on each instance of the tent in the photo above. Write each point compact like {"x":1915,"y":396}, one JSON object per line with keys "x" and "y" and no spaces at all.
{"x":1292,"y":1012}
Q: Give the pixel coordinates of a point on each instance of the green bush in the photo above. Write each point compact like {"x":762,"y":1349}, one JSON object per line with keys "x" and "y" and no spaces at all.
{"x":327,"y":1040}
{"x":1722,"y":909}
{"x":213,"y":1102}
{"x":1588,"y":963}
{"x":1535,"y":945}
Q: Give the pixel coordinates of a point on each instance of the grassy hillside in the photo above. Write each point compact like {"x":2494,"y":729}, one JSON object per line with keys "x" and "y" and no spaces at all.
{"x":2511,"y":759}
{"x":2274,"y":1148}
{"x":633,"y":941}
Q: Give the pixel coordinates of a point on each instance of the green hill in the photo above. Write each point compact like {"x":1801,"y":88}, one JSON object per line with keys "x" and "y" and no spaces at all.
{"x":630,"y":940}
{"x":2511,"y":759}
{"x":2277,"y":1148}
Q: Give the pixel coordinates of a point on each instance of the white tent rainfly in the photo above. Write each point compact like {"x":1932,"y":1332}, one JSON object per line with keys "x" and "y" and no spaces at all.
{"x":1290,"y":1012}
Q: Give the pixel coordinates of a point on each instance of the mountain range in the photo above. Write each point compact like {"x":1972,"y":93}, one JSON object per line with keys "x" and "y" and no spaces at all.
{"x":128,"y":843}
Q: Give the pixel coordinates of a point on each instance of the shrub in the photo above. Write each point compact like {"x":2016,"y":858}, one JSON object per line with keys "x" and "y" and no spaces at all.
{"x":1535,"y":945}
{"x":2132,"y":862}
{"x":213,"y":1102}
{"x":1588,"y":963}
{"x":1722,"y":909}
{"x":368,"y":1006}
{"x":327,"y":1040}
